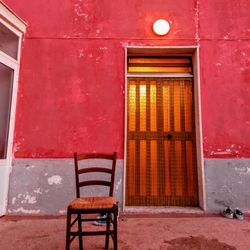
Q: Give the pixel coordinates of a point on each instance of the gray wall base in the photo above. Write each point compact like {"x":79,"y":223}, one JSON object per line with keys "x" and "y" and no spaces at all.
{"x":227,"y":184}
{"x":46,"y":186}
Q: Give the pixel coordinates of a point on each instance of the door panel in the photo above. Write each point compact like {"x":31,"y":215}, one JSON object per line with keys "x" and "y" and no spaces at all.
{"x":161,"y":159}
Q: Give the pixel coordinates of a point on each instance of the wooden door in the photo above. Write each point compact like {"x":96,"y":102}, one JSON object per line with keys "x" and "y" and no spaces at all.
{"x":161,"y":155}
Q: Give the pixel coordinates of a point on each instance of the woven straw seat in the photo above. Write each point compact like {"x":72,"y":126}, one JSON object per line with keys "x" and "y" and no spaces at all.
{"x":93,"y":203}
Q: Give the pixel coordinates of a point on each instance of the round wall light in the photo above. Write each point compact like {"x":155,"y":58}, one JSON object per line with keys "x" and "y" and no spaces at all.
{"x":161,"y":27}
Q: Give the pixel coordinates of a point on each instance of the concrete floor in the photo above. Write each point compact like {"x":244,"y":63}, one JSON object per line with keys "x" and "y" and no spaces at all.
{"x":145,"y":232}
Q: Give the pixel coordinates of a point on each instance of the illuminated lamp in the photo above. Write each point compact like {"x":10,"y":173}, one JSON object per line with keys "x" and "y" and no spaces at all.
{"x":161,"y":27}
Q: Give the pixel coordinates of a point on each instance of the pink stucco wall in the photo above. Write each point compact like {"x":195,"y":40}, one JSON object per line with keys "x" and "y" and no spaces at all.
{"x":71,"y":89}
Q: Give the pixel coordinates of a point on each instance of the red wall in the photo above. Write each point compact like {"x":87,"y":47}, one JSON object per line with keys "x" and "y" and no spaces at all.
{"x":71,"y":89}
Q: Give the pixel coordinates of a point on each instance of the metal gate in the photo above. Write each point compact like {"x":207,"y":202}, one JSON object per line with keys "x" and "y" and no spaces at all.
{"x":161,"y":154}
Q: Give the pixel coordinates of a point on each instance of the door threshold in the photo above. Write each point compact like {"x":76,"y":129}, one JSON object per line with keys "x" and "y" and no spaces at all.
{"x":162,"y":210}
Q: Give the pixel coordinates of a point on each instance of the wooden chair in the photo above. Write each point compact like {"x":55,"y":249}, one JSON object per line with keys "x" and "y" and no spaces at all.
{"x":81,"y":206}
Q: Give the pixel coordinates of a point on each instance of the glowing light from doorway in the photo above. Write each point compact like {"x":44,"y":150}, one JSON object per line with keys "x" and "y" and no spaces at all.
{"x":161,"y":27}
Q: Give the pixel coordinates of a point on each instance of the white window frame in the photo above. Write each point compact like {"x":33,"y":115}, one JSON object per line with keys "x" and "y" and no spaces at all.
{"x":11,"y":21}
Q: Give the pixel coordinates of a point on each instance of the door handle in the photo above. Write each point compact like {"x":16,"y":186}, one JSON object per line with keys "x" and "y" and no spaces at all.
{"x":169,"y":136}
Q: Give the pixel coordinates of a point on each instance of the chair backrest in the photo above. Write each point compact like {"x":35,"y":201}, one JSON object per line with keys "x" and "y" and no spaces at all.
{"x":95,"y":169}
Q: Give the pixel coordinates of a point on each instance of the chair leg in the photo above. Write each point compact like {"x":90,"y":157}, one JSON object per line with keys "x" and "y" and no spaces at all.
{"x":80,"y":231}
{"x":115,"y":228}
{"x":107,"y":232}
{"x":68,"y":229}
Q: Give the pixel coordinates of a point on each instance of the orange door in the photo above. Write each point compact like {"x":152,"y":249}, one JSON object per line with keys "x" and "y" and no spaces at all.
{"x":161,"y":155}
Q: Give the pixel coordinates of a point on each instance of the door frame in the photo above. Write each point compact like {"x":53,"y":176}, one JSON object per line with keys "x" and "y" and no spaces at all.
{"x":171,"y":50}
{"x":16,"y":25}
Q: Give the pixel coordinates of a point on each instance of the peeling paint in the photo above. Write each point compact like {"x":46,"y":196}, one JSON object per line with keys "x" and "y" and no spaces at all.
{"x":224,"y":152}
{"x":81,"y":53}
{"x":62,"y":211}
{"x":55,"y":179}
{"x":124,"y":44}
{"x":13,"y":201}
{"x":17,"y":146}
{"x":227,"y":36}
{"x":197,"y":21}
{"x":118,"y":184}
{"x":27,"y":198}
{"x":26,"y":211}
{"x":78,"y":8}
{"x":98,"y":59}
{"x":232,"y":150}
{"x":38,"y":191}
{"x":243,"y":170}
{"x":29,"y":167}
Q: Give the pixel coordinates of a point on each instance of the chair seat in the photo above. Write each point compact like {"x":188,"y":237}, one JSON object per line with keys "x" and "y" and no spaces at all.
{"x":93,"y":203}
